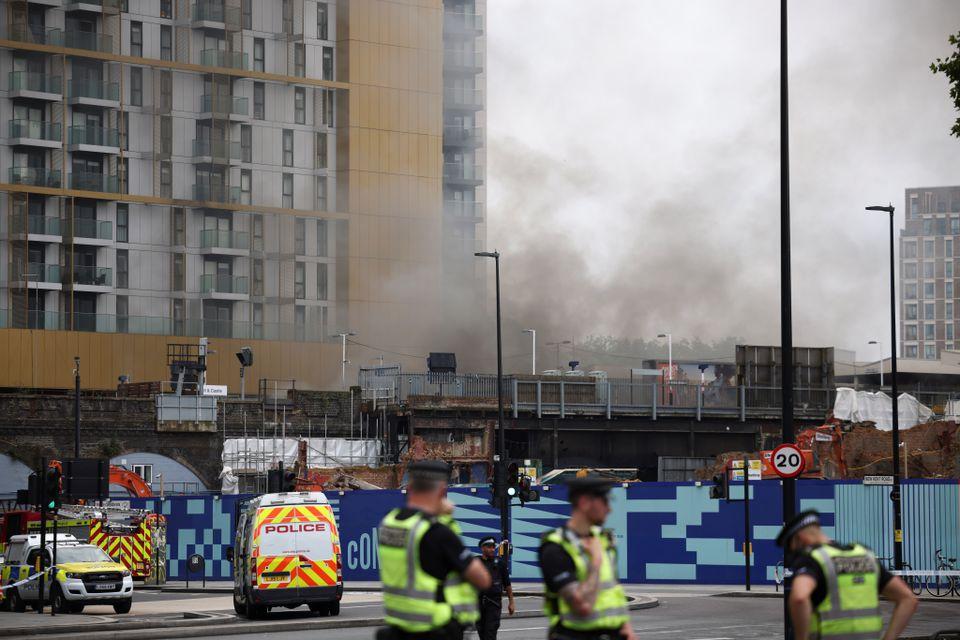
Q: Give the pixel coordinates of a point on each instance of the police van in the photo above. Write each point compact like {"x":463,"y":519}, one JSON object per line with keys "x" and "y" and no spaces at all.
{"x":286,"y":554}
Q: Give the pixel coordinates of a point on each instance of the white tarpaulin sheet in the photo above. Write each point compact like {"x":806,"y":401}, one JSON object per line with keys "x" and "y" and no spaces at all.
{"x":247,"y":455}
{"x":877,"y":407}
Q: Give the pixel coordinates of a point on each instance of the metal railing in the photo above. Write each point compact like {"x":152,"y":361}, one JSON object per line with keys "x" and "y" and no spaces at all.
{"x":462,"y":22}
{"x":35,"y":272}
{"x":463,"y":209}
{"x":472,"y":60}
{"x":220,"y":239}
{"x":220,"y":58}
{"x":41,"y":225}
{"x":219,"y":283}
{"x":215,"y":193}
{"x":458,"y":171}
{"x":217,"y":149}
{"x":36,"y":176}
{"x":93,"y":229}
{"x":455,"y":134}
{"x":88,"y":40}
{"x":95,"y":276}
{"x":31,"y":81}
{"x":224,"y":104}
{"x":94,"y":89}
{"x":92,"y":181}
{"x":211,"y":11}
{"x":454,"y":96}
{"x":100,"y":136}
{"x":35,"y":34}
{"x":35,"y":129}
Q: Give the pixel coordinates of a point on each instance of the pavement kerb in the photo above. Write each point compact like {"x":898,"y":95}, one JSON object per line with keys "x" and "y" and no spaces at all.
{"x":775,"y":594}
{"x":195,"y":627}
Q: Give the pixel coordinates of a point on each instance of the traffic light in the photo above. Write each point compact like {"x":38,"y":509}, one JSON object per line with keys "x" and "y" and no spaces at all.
{"x":34,"y":496}
{"x":289,"y":481}
{"x":527,"y":492}
{"x":51,"y":489}
{"x":513,"y":480}
{"x":719,"y":488}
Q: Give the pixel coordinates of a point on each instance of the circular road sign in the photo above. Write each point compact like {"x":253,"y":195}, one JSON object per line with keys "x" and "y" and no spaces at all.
{"x":787,"y":461}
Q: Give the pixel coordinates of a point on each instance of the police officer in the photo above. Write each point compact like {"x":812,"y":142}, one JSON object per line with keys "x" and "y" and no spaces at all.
{"x":491,"y":600}
{"x":419,"y":555}
{"x":836,"y":588}
{"x":584,"y":599}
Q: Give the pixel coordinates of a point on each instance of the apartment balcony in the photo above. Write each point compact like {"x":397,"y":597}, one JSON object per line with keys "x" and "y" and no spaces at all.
{"x":233,"y":107}
{"x":94,"y":93}
{"x":93,"y":6}
{"x":88,"y":41}
{"x":216,"y":151}
{"x":36,"y":86}
{"x":463,"y":211}
{"x":458,"y":173}
{"x":212,"y":14}
{"x":464,"y":137}
{"x":218,"y":58}
{"x":90,"y":279}
{"x":35,"y":134}
{"x":94,"y":139}
{"x":462,"y":24}
{"x":216,"y":193}
{"x":92,"y":181}
{"x":91,"y":232}
{"x":462,"y":62}
{"x":36,"y":177}
{"x":37,"y":228}
{"x":225,"y":243}
{"x":36,"y":275}
{"x":31,"y":34}
{"x":456,"y":98}
{"x":224,"y":287}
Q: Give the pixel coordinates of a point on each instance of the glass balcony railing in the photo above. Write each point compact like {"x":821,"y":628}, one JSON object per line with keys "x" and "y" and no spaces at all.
{"x":94,"y":89}
{"x":88,"y":40}
{"x":35,"y":130}
{"x":37,"y":177}
{"x":217,"y":149}
{"x":39,"y":82}
{"x":35,"y":35}
{"x":463,"y":59}
{"x":458,"y":96}
{"x":218,"y":283}
{"x":90,"y":181}
{"x":35,"y":272}
{"x":41,"y":225}
{"x":221,"y":239}
{"x":461,"y":22}
{"x":457,"y":171}
{"x":97,"y":276}
{"x":100,"y":136}
{"x":456,"y":134}
{"x":462,"y":209}
{"x":215,"y":193}
{"x":212,"y":11}
{"x":94,"y":229}
{"x":224,"y":104}
{"x":218,"y":58}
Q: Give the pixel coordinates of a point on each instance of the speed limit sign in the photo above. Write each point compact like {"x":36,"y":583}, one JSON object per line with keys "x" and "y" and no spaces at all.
{"x":787,"y":461}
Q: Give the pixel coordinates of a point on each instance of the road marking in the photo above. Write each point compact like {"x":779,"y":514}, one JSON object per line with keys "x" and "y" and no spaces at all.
{"x":508,"y":629}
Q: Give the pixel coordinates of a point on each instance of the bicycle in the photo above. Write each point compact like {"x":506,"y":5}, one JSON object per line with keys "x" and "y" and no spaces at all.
{"x":941,"y":586}
{"x":916,"y":583}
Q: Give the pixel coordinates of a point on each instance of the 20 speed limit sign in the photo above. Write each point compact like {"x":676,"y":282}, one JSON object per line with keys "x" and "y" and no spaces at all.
{"x":787,"y":461}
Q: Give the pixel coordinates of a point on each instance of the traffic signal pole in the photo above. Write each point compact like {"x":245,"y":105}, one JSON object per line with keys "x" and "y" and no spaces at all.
{"x":43,"y":530}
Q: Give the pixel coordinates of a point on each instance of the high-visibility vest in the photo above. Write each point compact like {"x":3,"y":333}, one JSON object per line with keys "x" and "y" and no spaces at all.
{"x":412,"y":598}
{"x":610,"y":610}
{"x":460,"y":594}
{"x":851,"y":610}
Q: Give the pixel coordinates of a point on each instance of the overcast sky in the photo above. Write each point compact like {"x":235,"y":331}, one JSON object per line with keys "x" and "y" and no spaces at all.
{"x":634,"y":161}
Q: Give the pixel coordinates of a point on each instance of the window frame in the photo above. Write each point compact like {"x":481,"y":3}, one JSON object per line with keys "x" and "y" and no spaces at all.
{"x":285,"y":195}
{"x":136,"y":86}
{"x":287,"y":148}
{"x":259,"y":54}
{"x":136,"y":38}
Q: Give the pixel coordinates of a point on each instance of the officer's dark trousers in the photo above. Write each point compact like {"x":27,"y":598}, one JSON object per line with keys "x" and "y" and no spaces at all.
{"x":489,"y":621}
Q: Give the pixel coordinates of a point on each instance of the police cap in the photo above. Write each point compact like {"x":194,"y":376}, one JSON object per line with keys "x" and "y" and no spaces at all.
{"x":430,"y":470}
{"x":487,"y":540}
{"x":588,"y":485}
{"x":800,"y":521}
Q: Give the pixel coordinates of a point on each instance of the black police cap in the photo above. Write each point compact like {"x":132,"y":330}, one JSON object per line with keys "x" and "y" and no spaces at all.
{"x":800,"y":521}
{"x":589,"y":484}
{"x":429,"y":470}
{"x":487,"y":540}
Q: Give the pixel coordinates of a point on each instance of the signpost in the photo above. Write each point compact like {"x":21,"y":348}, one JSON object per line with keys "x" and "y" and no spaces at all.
{"x":787,"y":461}
{"x":878,"y":480}
{"x":214,"y":390}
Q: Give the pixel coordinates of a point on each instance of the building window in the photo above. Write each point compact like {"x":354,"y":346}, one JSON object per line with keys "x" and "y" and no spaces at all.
{"x":927,"y":269}
{"x":136,"y":39}
{"x":123,"y":314}
{"x":179,"y":272}
{"x":258,"y":110}
{"x":928,"y":249}
{"x":910,"y":351}
{"x":246,"y":10}
{"x":322,"y":281}
{"x":322,"y":238}
{"x":910,"y":291}
{"x":246,"y":143}
{"x":948,"y":248}
{"x":323,"y":21}
{"x":246,"y":179}
{"x":327,"y":95}
{"x":927,"y":225}
{"x":286,"y":13}
{"x":321,"y":145}
{"x":327,"y":63}
{"x":136,"y":86}
{"x":949,"y":331}
{"x":948,"y":290}
{"x":258,"y":54}
{"x":257,"y":224}
{"x":125,"y":130}
{"x":123,"y":269}
{"x":300,"y":320}
{"x":954,"y":226}
{"x":299,"y":60}
{"x":911,"y":311}
{"x":145,"y":471}
{"x":911,"y":332}
{"x":929,"y":291}
{"x":123,"y":222}
{"x":166,"y":179}
{"x":299,"y":281}
{"x":125,"y":175}
{"x":287,"y":191}
{"x":300,"y":236}
{"x":288,"y":147}
{"x":948,"y":311}
{"x":321,"y":193}
{"x":929,"y":331}
{"x":166,"y":8}
{"x":929,"y":311}
{"x":930,"y":351}
{"x":166,"y":42}
{"x":179,"y":228}
{"x":300,"y":105}
{"x":179,"y":317}
{"x":166,"y":90}
{"x":166,"y":135}
{"x":948,"y":269}
{"x":910,"y":249}
{"x":257,"y":277}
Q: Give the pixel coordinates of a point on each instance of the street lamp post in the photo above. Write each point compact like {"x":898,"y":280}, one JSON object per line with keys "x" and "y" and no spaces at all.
{"x":669,"y":354}
{"x":895,"y":493}
{"x":880,"y":360}
{"x":557,"y":345}
{"x":533,"y":359}
{"x":343,"y":356}
{"x":499,"y":468}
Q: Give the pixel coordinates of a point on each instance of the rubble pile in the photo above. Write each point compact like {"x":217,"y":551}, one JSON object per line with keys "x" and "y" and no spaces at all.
{"x":932,"y":451}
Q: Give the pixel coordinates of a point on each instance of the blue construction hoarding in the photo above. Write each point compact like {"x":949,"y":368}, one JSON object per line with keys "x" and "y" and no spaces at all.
{"x":666,"y":532}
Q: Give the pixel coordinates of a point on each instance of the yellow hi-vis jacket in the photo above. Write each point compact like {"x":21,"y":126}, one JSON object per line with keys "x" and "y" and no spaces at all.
{"x":851,"y":609}
{"x":460,"y":594}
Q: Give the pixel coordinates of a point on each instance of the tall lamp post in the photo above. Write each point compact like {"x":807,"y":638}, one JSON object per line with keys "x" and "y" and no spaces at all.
{"x":533,"y":359}
{"x":669,"y":354}
{"x":343,"y":356}
{"x":499,"y":468}
{"x":880,"y":360}
{"x":557,"y":345}
{"x":895,"y":493}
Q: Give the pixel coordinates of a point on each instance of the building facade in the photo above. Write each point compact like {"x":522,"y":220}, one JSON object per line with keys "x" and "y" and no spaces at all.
{"x":262,"y":172}
{"x":928,"y":262}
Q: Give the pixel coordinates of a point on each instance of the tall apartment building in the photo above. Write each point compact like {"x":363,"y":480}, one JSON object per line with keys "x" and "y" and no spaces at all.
{"x":928,"y":262}
{"x":263,"y":172}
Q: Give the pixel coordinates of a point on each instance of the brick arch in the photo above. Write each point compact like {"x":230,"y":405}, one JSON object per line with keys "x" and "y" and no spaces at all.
{"x":176,"y":456}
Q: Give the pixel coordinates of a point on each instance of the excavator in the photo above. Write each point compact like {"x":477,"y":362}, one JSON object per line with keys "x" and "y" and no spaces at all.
{"x":134,"y":484}
{"x":815,"y":466}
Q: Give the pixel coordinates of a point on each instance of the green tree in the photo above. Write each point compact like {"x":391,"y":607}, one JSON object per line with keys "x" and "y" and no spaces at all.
{"x":950,"y":67}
